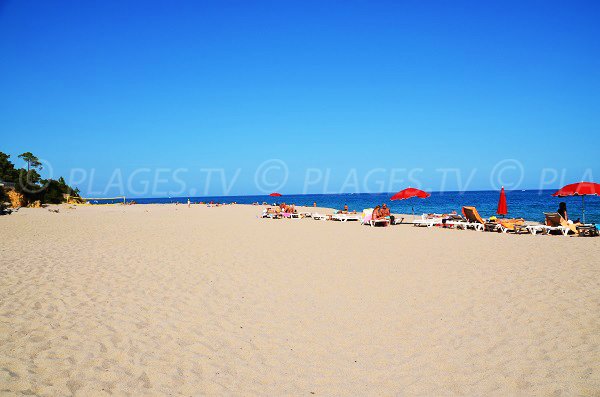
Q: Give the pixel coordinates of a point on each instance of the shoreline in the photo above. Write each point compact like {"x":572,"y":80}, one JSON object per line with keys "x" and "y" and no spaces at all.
{"x":323,"y":210}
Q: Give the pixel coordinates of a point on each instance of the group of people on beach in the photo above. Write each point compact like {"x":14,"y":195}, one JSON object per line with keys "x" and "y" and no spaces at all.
{"x":282,"y":208}
{"x":382,"y":211}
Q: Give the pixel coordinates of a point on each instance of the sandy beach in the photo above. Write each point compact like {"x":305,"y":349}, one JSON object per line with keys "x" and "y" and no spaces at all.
{"x":171,"y":300}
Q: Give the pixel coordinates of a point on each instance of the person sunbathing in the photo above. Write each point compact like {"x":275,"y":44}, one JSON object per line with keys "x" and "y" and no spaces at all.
{"x":385,"y":213}
{"x":376,"y":213}
{"x":562,"y":210}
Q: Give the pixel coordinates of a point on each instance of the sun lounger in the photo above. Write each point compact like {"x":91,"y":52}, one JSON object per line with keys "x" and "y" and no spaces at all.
{"x":454,"y":221}
{"x":338,"y":217}
{"x":500,"y":226}
{"x":319,"y":217}
{"x":529,"y":228}
{"x":555,"y":222}
{"x":346,"y":217}
{"x":270,"y":215}
{"x":474,"y":220}
{"x":509,"y":225}
{"x":380,"y":221}
{"x":367,"y":219}
{"x":427,"y":221}
{"x":478,"y":223}
{"x":588,"y":230}
{"x":398,"y":220}
{"x":430,"y":220}
{"x":535,"y":229}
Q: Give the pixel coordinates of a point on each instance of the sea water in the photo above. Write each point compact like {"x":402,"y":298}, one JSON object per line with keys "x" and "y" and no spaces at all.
{"x":528,"y":204}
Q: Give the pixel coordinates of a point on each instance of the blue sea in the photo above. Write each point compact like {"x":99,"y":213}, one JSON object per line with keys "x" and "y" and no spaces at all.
{"x":528,"y":204}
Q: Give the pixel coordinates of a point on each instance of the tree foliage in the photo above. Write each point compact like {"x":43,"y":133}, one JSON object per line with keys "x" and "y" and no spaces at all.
{"x":8,"y":172}
{"x":30,"y":183}
{"x":32,"y":161}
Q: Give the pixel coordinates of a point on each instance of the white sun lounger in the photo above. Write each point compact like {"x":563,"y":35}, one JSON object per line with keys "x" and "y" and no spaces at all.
{"x":346,"y":217}
{"x":398,"y":220}
{"x":555,"y":222}
{"x":381,"y":221}
{"x":535,"y":229}
{"x":366,"y":219}
{"x":562,"y":229}
{"x":427,"y":222}
{"x":270,"y":215}
{"x":319,"y":217}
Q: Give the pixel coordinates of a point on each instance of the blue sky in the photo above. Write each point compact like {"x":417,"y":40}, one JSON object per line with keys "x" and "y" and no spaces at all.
{"x":335,"y":86}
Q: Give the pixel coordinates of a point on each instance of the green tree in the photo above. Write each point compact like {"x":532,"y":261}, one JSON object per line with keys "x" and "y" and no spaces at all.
{"x":32,"y":161}
{"x":53,"y":192}
{"x":8,"y":172}
{"x":30,"y":183}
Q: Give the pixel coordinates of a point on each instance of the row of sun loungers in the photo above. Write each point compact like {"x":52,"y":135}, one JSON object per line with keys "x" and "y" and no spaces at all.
{"x":471,"y":220}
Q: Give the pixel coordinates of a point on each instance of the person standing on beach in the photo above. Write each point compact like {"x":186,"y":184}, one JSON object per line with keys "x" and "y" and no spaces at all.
{"x":189,"y":203}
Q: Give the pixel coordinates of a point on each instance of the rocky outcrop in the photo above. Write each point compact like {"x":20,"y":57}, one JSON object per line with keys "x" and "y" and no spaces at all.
{"x":73,"y":199}
{"x":16,"y":199}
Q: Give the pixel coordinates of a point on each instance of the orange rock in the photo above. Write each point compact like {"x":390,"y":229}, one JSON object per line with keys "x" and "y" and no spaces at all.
{"x":16,"y":199}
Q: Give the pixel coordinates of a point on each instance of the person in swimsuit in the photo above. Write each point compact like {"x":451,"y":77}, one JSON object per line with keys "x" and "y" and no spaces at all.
{"x":385,"y":212}
{"x":562,"y":210}
{"x":376,"y":213}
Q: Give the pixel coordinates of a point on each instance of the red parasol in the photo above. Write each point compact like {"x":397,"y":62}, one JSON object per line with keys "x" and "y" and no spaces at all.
{"x":275,"y":194}
{"x":579,"y":189}
{"x":409,"y":193}
{"x":502,"y":208}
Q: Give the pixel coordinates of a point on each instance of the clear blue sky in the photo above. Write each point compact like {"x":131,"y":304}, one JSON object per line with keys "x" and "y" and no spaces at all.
{"x":336,"y":85}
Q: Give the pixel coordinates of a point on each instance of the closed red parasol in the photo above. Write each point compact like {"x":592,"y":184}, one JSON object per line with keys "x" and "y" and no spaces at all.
{"x":409,"y":193}
{"x":502,"y":208}
{"x":579,"y":189}
{"x":275,"y":194}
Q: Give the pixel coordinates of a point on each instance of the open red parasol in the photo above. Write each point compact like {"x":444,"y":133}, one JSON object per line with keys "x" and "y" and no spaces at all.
{"x":275,"y":194}
{"x":579,"y":189}
{"x":410,"y":193}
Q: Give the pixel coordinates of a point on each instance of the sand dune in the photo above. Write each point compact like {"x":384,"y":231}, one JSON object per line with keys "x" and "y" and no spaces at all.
{"x":153,"y":300}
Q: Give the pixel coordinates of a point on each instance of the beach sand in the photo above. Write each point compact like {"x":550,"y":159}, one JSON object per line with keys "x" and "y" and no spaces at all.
{"x":165,"y":299}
